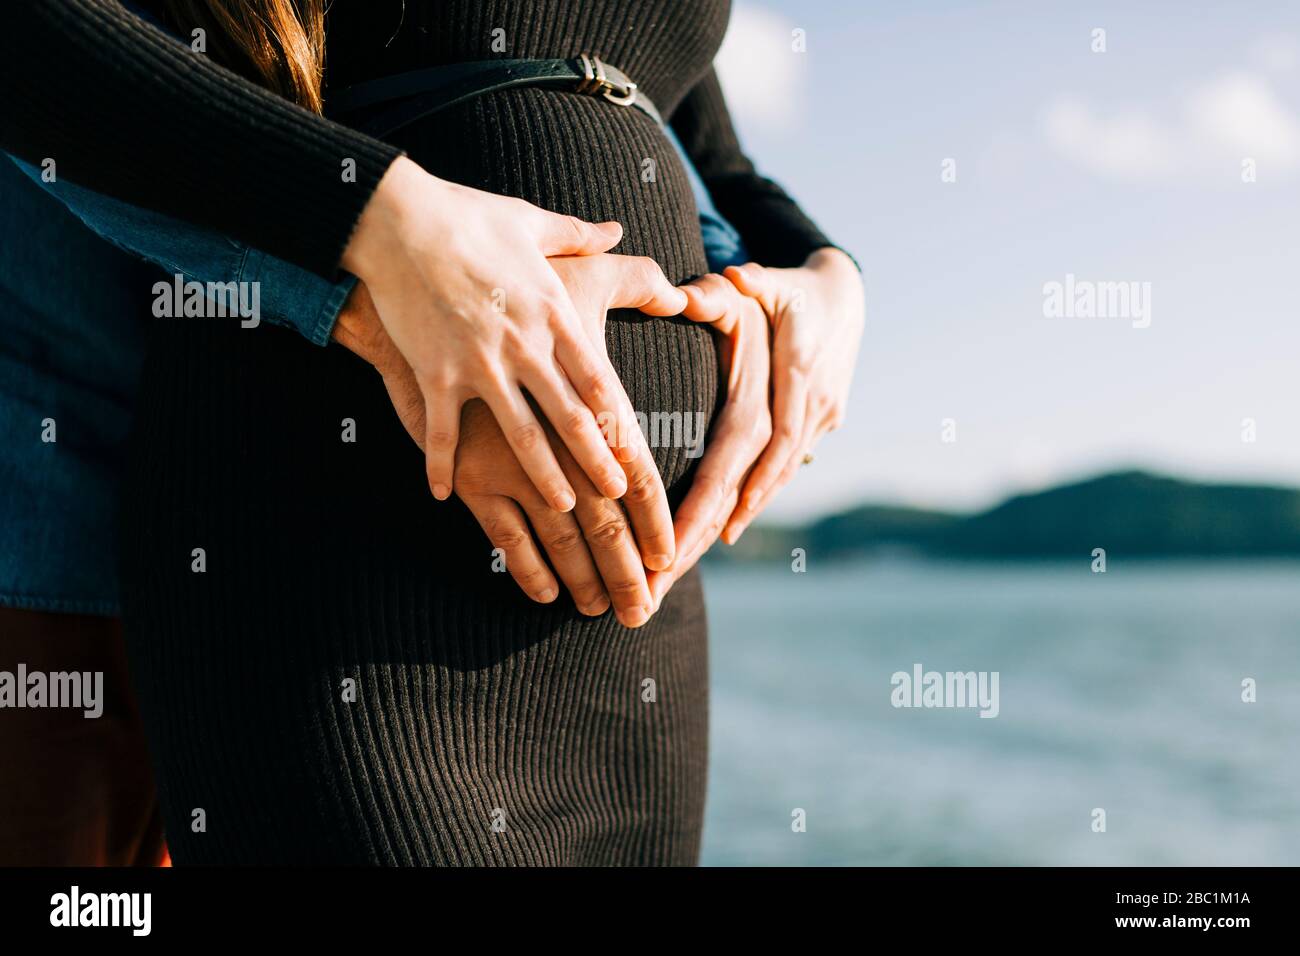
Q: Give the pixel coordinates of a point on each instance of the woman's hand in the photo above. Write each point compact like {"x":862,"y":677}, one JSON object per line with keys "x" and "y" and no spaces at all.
{"x":817,"y":313}
{"x":597,"y":284}
{"x":461,"y":283}
{"x":596,"y":556}
{"x":741,"y":431}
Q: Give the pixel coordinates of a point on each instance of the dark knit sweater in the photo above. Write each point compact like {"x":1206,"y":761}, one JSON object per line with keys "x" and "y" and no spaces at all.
{"x":126,"y":109}
{"x":349,"y":678}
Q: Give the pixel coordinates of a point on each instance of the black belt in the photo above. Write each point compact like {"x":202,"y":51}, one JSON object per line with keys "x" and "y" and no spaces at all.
{"x":379,"y":107}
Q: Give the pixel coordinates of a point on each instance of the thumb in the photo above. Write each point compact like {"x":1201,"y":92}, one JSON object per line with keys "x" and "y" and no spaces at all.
{"x":570,"y":236}
{"x":709,"y":300}
{"x":639,"y":283}
{"x":756,"y":282}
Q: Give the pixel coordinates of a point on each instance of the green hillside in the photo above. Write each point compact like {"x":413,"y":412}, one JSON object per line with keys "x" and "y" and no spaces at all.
{"x":1130,"y":513}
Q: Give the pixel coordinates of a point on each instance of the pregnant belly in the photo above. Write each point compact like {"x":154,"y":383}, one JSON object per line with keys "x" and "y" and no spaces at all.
{"x":588,"y":158}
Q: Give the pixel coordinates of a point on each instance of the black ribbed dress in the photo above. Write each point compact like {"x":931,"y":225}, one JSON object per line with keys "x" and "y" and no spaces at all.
{"x":348,"y":679}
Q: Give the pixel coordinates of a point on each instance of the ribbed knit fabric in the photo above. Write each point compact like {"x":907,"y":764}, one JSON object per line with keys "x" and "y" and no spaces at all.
{"x":327,"y":561}
{"x":665,"y":46}
{"x":123,"y":108}
{"x":486,"y":729}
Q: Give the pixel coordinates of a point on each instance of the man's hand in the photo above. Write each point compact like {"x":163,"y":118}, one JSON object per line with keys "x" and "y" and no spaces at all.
{"x":590,"y":547}
{"x":738,"y":436}
{"x":817,"y":314}
{"x":359,"y":330}
{"x":596,"y":556}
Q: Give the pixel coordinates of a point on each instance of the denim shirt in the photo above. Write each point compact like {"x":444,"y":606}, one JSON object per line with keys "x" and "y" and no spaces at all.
{"x":71,"y":344}
{"x":288,"y":296}
{"x":722,"y":243}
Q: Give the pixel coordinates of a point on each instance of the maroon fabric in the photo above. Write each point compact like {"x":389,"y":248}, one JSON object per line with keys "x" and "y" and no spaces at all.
{"x":77,"y":791}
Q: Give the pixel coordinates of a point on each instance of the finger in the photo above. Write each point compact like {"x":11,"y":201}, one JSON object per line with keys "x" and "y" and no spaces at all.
{"x":408,"y":400}
{"x":583,"y":360}
{"x":718,"y":522}
{"x":743,"y":515}
{"x":641,"y":284}
{"x":646,"y":503}
{"x":562,"y":538}
{"x":710,"y":300}
{"x":442,"y":410}
{"x":789,"y":412}
{"x":605,"y":527}
{"x":802,"y":448}
{"x":609,"y":539}
{"x":700,"y":306}
{"x":617,"y":421}
{"x":503,"y":522}
{"x":715,"y":484}
{"x":693,"y":515}
{"x":575,"y":425}
{"x":528,"y":441}
{"x":601,"y":391}
{"x":730,"y":454}
{"x":662,"y":581}
{"x":559,"y":235}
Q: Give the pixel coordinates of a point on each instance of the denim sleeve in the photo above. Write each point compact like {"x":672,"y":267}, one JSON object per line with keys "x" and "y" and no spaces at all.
{"x":722,"y":243}
{"x":775,"y":230}
{"x":288,"y":296}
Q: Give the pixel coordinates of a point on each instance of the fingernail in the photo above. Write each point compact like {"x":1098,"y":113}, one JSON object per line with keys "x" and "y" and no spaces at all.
{"x":637,"y":616}
{"x":564,"y":501}
{"x":547,"y":596}
{"x":596,"y":608}
{"x":753,"y":498}
{"x":441,"y":492}
{"x":615,"y":486}
{"x":659,"y":562}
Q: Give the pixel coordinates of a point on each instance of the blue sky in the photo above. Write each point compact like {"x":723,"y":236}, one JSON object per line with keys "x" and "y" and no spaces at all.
{"x":1124,"y":165}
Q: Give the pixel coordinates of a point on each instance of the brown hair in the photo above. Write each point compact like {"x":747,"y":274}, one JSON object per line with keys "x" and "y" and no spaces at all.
{"x":279,"y":44}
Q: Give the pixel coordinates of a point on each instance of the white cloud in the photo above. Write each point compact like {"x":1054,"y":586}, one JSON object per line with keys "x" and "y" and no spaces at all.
{"x":763,"y":78}
{"x":1241,"y":113}
{"x":1277,"y":53}
{"x":1124,"y":145}
{"x":1234,"y":116}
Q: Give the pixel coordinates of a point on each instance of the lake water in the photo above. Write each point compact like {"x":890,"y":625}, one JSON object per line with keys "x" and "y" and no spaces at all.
{"x":1120,"y":691}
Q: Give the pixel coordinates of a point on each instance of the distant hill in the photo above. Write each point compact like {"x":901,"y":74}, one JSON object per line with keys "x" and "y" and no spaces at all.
{"x":1132,"y":513}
